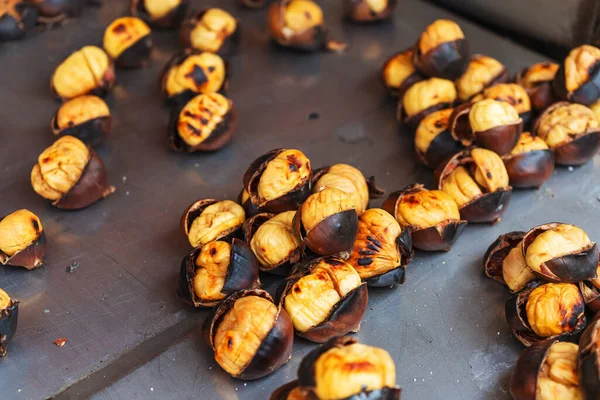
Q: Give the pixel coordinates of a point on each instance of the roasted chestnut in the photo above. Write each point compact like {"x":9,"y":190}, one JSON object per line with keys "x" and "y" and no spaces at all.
{"x":513,"y":94}
{"x":548,"y":311}
{"x":86,"y":71}
{"x":596,"y":109}
{"x":251,"y":336}
{"x":530,"y":164}
{"x":537,"y":81}
{"x":588,"y":360}
{"x":382,"y":249}
{"x":571,"y":130}
{"x":327,"y":223}
{"x":250,"y":208}
{"x":166,"y":14}
{"x":279,"y":180}
{"x":17,"y":17}
{"x":206,"y":123}
{"x":85,"y":117}
{"x":324,"y":298}
{"x":432,"y":216}
{"x":578,"y":78}
{"x":369,"y":10}
{"x":433,"y":141}
{"x":22,"y":240}
{"x":398,"y":73}
{"x":206,"y":220}
{"x":482,"y":72}
{"x":9,"y":315}
{"x":425,"y":97}
{"x":213,"y":30}
{"x":128,"y":42}
{"x":504,"y":261}
{"x":477,"y":181}
{"x":211,"y":272}
{"x":442,"y":50}
{"x":272,"y":240}
{"x":547,"y":371}
{"x":70,"y":174}
{"x":53,"y":11}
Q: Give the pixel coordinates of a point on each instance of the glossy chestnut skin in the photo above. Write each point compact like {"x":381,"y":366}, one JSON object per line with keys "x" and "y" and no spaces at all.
{"x":53,"y":11}
{"x":128,"y":41}
{"x":17,"y":18}
{"x":497,"y":252}
{"x":171,"y":20}
{"x":537,"y":81}
{"x":529,"y":168}
{"x":195,"y":210}
{"x":34,"y":254}
{"x":433,"y":141}
{"x":229,"y":45}
{"x":398,"y":73}
{"x":423,"y":98}
{"x":481,"y":73}
{"x":86,"y":117}
{"x":361,"y":11}
{"x":9,"y":317}
{"x":589,"y":360}
{"x":568,"y":84}
{"x":275,"y":349}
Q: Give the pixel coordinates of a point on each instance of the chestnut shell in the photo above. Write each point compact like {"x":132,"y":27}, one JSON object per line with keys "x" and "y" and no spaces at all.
{"x":172,"y":20}
{"x":449,"y":60}
{"x":250,"y":208}
{"x":541,"y":94}
{"x":531,"y":169}
{"x":497,"y":252}
{"x":591,"y":296}
{"x":589,"y":360}
{"x":358,"y":11}
{"x":333,"y":235}
{"x":136,"y":55}
{"x":408,"y":82}
{"x":308,"y":40}
{"x":92,"y":132}
{"x":586,"y":94}
{"x":440,"y":149}
{"x":12,"y":28}
{"x":31,"y":257}
{"x":230,"y":44}
{"x":8,"y":325}
{"x":523,"y":383}
{"x":194,"y":210}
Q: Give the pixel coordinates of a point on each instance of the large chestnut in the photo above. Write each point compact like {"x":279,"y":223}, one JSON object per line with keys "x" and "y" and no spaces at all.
{"x":86,"y":118}
{"x":369,"y":10}
{"x":537,"y":81}
{"x":588,"y":360}
{"x":324,"y":298}
{"x":433,"y":141}
{"x":425,"y":97}
{"x":251,"y":336}
{"x":504,"y":261}
{"x":166,"y":14}
{"x":382,"y":249}
{"x":211,"y":272}
{"x":206,"y":220}
{"x":578,"y":78}
{"x":513,"y":94}
{"x":398,"y":73}
{"x":571,"y":130}
{"x":477,"y":181}
{"x":22,"y":240}
{"x":530,"y":163}
{"x":432,"y":216}
{"x":213,"y":30}
{"x":128,"y":42}
{"x":70,"y":174}
{"x":9,"y":315}
{"x":482,"y":72}
{"x":17,"y":17}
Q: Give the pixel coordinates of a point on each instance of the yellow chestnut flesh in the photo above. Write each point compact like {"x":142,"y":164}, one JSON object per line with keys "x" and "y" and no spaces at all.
{"x":301,"y":15}
{"x":274,"y":240}
{"x":214,"y":220}
{"x":160,"y":8}
{"x":426,"y":208}
{"x":555,"y":242}
{"x":123,"y":33}
{"x":18,"y":230}
{"x":200,"y":117}
{"x":284,"y":173}
{"x":80,"y":110}
{"x":511,"y":93}
{"x":578,"y":64}
{"x":596,"y":109}
{"x":398,"y":69}
{"x":348,"y":179}
{"x":439,"y":32}
{"x":566,"y":123}
{"x":528,"y":143}
{"x":82,"y":72}
{"x":481,"y":71}
{"x":5,"y":300}
{"x":214,"y":27}
{"x":487,"y":114}
{"x":490,"y":172}
{"x":430,"y":127}
{"x":377,"y":6}
{"x":460,"y":186}
{"x":211,"y":270}
{"x":428,"y":93}
{"x":295,"y":394}
{"x":515,"y":271}
{"x":558,"y":378}
{"x":551,"y":309}
{"x":323,"y":204}
{"x":538,"y":73}
{"x":182,"y":77}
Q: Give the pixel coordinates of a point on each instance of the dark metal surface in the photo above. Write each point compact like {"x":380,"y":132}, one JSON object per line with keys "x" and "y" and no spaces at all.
{"x":444,"y":328}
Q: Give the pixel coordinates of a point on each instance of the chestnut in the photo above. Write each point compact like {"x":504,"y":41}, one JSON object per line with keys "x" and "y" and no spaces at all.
{"x":442,"y":50}
{"x":547,"y":371}
{"x":70,"y":174}
{"x":382,"y":249}
{"x":578,"y":78}
{"x":206,"y":220}
{"x":289,"y":391}
{"x":369,"y":10}
{"x":128,"y":42}
{"x":86,"y":118}
{"x":432,"y":216}
{"x":425,"y":97}
{"x":571,"y":130}
{"x":273,"y":242}
{"x":504,"y":261}
{"x":324,"y":298}
{"x":22,"y":240}
{"x":588,"y":360}
{"x":482,"y":72}
{"x":495,"y":125}
{"x":530,"y":163}
{"x":253,"y":3}
{"x":251,"y":336}
{"x":211,"y":272}
{"x":545,"y":311}
{"x":250,"y":208}
{"x":206,"y":123}
{"x":327,"y":223}
{"x":590,"y":290}
{"x":53,"y":11}
{"x":160,"y":13}
{"x":17,"y":17}
{"x":513,"y":94}
{"x":213,"y":30}
{"x":279,"y":180}
{"x":398,"y":73}
{"x":9,"y":316}
{"x":477,"y":181}
{"x":433,"y":141}
{"x":88,"y":70}
{"x":537,"y":81}
{"x":596,"y":109}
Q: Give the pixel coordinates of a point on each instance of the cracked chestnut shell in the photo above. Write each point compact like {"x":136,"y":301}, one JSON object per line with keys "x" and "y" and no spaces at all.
{"x":164,"y":14}
{"x":547,"y":370}
{"x":481,"y":73}
{"x":398,"y":73}
{"x":571,"y":130}
{"x":433,"y":141}
{"x":590,"y":290}
{"x":425,"y":97}
{"x":251,"y":336}
{"x":279,"y":180}
{"x":53,"y":11}
{"x":327,"y":223}
{"x":206,"y":220}
{"x":128,"y":41}
{"x":504,"y":261}
{"x":578,"y":78}
{"x":70,"y":174}
{"x":442,"y":50}
{"x":530,"y":164}
{"x":369,"y":10}
{"x":588,"y":360}
{"x":22,"y":240}
{"x":324,"y":298}
{"x":431,"y":216}
{"x":477,"y":181}
{"x":17,"y":17}
{"x":211,"y":272}
{"x":213,"y":30}
{"x":537,"y":81}
{"x":88,"y":70}
{"x":9,"y":315}
{"x":86,"y":118}
{"x":513,"y":94}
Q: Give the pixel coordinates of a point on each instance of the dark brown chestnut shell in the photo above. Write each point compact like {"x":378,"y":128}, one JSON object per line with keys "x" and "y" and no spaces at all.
{"x":359,"y":11}
{"x":16,"y":27}
{"x":229,"y":46}
{"x":586,"y":94}
{"x":103,"y":86}
{"x":440,"y":149}
{"x":172,"y":20}
{"x":309,"y":40}
{"x":137,"y":55}
{"x":531,"y":169}
{"x":497,"y":252}
{"x":250,"y":208}
{"x":591,"y":296}
{"x":92,"y":132}
{"x":194,"y":210}
{"x":54,"y":11}
{"x":523,"y":383}
{"x":31,"y":257}
{"x":449,"y":60}
{"x":541,"y":95}
{"x":588,"y":360}
{"x":8,"y":325}
{"x":276,"y":348}
{"x":460,"y":126}
{"x":334,"y":235}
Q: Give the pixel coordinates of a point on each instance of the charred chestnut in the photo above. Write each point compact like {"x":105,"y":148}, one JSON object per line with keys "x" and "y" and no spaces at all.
{"x":578,"y":78}
{"x":279,"y":180}
{"x":213,"y":30}
{"x":128,"y":42}
{"x":433,"y":141}
{"x":9,"y":315}
{"x":432,"y":216}
{"x":166,"y":14}
{"x":324,"y":298}
{"x":86,"y":71}
{"x":477,"y":181}
{"x":86,"y":118}
{"x":70,"y":174}
{"x":588,"y":359}
{"x":206,"y":220}
{"x":22,"y":240}
{"x":251,"y":337}
{"x":211,"y":272}
{"x":206,"y":123}
{"x":327,"y":223}
{"x":482,"y":72}
{"x":369,"y":10}
{"x":571,"y":130}
{"x":17,"y":17}
{"x":495,"y":125}
{"x":513,"y":94}
{"x":442,"y":50}
{"x":537,"y":81}
{"x":504,"y":261}
{"x":398,"y":73}
{"x":530,"y":163}
{"x":425,"y":97}
{"x":53,"y":11}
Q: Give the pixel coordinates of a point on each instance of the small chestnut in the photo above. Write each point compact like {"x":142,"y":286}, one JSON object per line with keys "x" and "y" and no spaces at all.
{"x":530,"y":163}
{"x":206,"y":220}
{"x":213,"y":30}
{"x":17,"y":17}
{"x":22,"y":240}
{"x":513,"y":94}
{"x":537,"y":81}
{"x":70,"y":174}
{"x":425,"y":97}
{"x":165,"y":14}
{"x":9,"y":316}
{"x":578,"y":78}
{"x":494,"y":125}
{"x":433,"y":141}
{"x":588,"y":360}
{"x":128,"y":42}
{"x":504,"y":261}
{"x":398,"y":73}
{"x":53,"y":11}
{"x":482,"y":72}
{"x":251,"y":336}
{"x":86,"y":118}
{"x":369,"y":10}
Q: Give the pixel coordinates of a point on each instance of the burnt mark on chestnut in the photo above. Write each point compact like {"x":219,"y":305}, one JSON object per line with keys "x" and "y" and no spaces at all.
{"x":128,"y":41}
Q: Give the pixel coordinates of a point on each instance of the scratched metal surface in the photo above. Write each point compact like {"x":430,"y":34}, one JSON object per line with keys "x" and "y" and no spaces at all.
{"x":444,"y":327}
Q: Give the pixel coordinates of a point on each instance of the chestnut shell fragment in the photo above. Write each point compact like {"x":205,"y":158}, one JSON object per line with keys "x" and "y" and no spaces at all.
{"x":358,"y":11}
{"x":523,"y":383}
{"x":497,"y":252}
{"x":8,"y":325}
{"x":172,"y":20}
{"x":14,"y":27}
{"x":194,"y":210}
{"x":529,"y":170}
{"x":333,"y":235}
{"x":589,"y":360}
{"x":230,"y":44}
